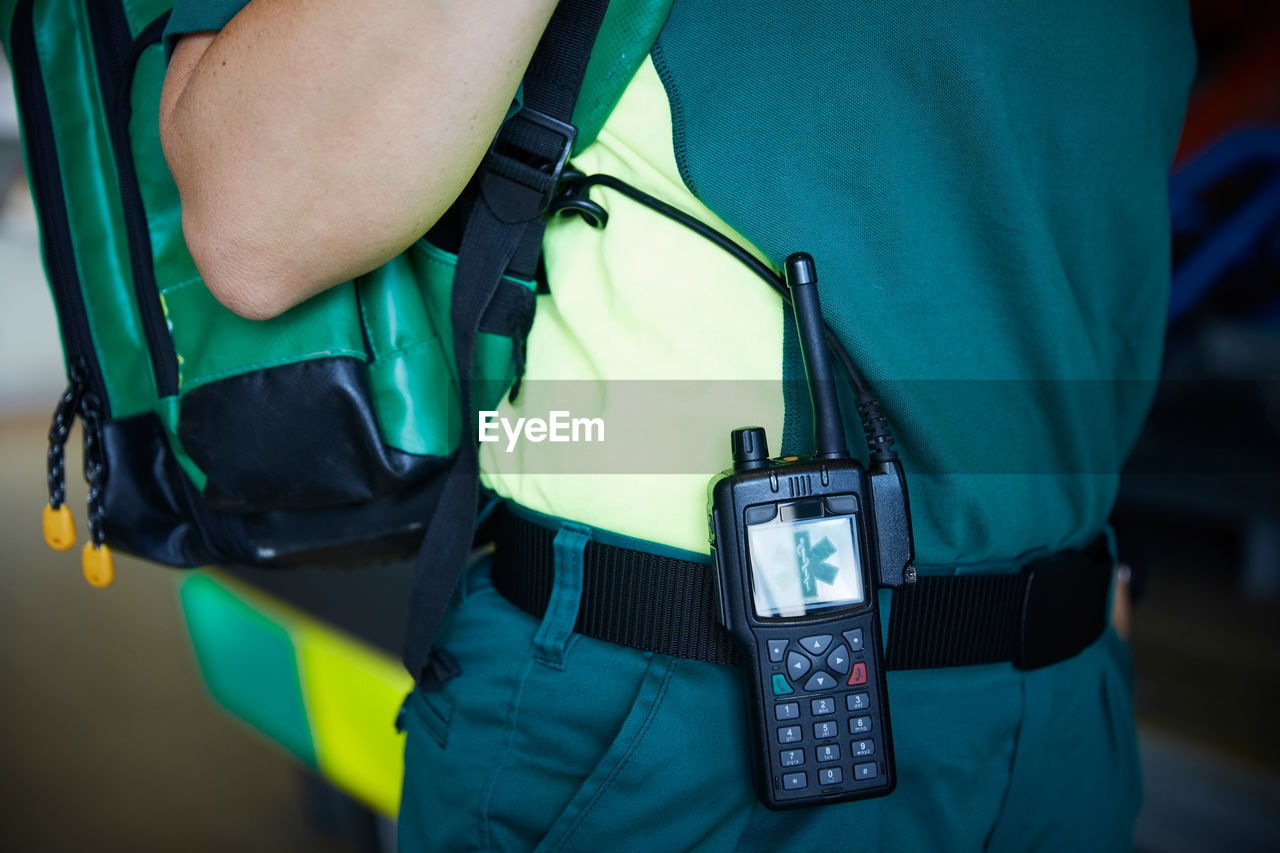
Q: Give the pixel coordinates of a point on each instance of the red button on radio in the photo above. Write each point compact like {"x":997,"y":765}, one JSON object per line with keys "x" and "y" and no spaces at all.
{"x":859,"y":674}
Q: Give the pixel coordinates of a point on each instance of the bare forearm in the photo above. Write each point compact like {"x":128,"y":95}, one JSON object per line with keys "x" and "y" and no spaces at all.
{"x":312,"y":141}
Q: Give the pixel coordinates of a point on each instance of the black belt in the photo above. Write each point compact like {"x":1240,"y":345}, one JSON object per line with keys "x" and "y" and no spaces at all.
{"x":1047,"y":612}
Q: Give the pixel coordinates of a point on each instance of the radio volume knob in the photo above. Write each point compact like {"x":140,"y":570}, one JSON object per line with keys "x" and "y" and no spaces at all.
{"x":750,"y":448}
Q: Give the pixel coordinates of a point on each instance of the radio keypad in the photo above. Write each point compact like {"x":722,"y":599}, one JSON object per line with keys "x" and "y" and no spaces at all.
{"x":809,"y":664}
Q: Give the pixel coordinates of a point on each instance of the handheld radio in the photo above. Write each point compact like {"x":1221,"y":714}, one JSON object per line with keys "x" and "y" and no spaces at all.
{"x":801,"y":546}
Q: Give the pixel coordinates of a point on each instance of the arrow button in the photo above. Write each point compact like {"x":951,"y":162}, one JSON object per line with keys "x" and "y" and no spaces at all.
{"x":839,"y":659}
{"x":816,"y":645}
{"x":797,"y":665}
{"x":820,"y":681}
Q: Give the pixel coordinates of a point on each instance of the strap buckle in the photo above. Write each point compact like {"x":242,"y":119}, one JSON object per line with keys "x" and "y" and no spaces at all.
{"x":525,"y":165}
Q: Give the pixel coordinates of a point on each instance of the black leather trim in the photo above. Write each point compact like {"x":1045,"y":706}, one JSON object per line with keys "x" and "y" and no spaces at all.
{"x":148,"y":511}
{"x":297,"y":436}
{"x":155,"y":512}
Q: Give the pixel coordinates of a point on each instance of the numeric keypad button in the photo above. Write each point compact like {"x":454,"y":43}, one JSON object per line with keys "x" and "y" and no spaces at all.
{"x":859,"y":725}
{"x":863,"y":772}
{"x":791,"y":757}
{"x":830,"y":776}
{"x":786,"y":711}
{"x":828,"y":752}
{"x":862,"y":748}
{"x":794,"y":781}
{"x":789,"y":734}
{"x":824,"y":730}
{"x":823,"y":707}
{"x":857,"y":701}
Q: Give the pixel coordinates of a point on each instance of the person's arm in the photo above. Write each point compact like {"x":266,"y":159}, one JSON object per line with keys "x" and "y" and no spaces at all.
{"x":313,"y":141}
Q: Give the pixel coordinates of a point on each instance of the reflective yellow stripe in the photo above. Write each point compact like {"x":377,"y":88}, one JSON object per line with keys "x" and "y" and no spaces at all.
{"x":353,"y":693}
{"x":642,"y":299}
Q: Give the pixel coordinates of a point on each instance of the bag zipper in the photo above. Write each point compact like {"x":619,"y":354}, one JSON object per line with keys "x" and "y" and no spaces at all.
{"x":117,"y":52}
{"x":46,"y":188}
{"x":86,"y":392}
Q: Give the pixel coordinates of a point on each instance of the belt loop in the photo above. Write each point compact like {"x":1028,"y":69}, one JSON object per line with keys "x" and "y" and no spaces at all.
{"x":552,"y":640}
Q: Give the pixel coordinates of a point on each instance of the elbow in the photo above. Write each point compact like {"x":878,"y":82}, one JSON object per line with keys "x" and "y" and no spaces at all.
{"x":246,"y":277}
{"x":238,"y":260}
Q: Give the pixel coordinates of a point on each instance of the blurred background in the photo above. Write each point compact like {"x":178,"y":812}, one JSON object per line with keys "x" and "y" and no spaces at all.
{"x":128,"y":721}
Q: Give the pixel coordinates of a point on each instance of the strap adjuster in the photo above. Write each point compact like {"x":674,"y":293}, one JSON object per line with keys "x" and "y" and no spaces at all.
{"x":525,"y":165}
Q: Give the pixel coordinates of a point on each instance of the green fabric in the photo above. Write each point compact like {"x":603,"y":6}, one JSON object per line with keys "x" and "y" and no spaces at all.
{"x":983,"y":188}
{"x":140,"y":13}
{"x":212,"y":343}
{"x":595,"y":746}
{"x":627,"y":32}
{"x":196,"y":16}
{"x":248,"y":662}
{"x":411,"y":376}
{"x":95,"y":213}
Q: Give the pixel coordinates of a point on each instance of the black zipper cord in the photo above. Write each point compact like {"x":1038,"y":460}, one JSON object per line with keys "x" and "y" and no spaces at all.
{"x":574,"y":197}
{"x":95,"y":467}
{"x":64,"y":416}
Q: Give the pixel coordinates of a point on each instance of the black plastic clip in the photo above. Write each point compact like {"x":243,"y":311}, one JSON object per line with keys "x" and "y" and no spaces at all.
{"x":573,"y":197}
{"x":525,"y":165}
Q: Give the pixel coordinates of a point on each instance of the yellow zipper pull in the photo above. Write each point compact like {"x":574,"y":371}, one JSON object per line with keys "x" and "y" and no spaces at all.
{"x":98,"y":565}
{"x":59,"y":527}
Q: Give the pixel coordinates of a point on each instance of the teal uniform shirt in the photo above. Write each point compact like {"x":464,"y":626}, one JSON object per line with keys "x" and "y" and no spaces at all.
{"x":983,"y":187}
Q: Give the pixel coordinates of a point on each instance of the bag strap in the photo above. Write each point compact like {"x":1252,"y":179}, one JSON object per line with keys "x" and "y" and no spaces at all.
{"x":503,"y":237}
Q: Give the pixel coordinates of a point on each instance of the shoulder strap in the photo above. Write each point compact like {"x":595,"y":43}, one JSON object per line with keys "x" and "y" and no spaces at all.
{"x":503,"y":237}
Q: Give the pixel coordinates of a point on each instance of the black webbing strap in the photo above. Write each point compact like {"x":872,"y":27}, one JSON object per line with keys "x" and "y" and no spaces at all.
{"x":1051,"y":610}
{"x":503,"y":236}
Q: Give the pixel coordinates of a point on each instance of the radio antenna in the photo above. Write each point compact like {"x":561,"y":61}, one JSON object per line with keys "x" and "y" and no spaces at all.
{"x":828,"y":426}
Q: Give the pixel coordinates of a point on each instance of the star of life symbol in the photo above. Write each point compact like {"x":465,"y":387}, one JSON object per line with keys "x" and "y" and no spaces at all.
{"x":811,"y":561}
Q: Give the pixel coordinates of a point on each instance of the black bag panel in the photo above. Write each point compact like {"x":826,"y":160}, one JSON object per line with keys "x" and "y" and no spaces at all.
{"x":383,"y":530}
{"x":295,"y":436}
{"x":153,"y":511}
{"x":150,"y":506}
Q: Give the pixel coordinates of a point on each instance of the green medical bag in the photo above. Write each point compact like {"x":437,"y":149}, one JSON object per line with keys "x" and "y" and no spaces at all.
{"x":317,"y":437}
